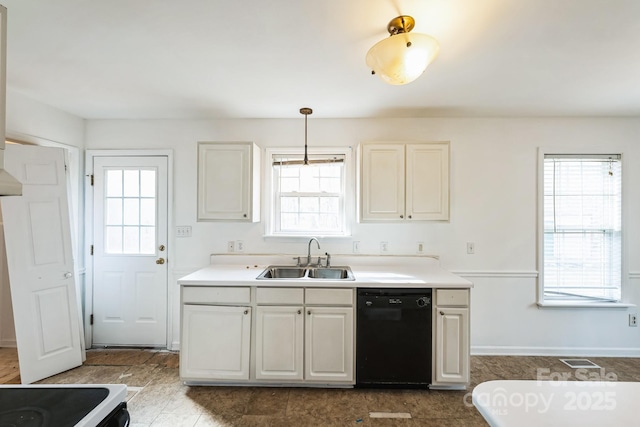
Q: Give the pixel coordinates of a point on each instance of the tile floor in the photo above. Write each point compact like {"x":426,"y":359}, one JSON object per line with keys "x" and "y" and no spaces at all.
{"x":157,"y":398}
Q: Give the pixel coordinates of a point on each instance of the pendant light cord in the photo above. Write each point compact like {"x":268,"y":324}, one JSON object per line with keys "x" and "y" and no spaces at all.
{"x":306,"y":159}
{"x":306,"y":111}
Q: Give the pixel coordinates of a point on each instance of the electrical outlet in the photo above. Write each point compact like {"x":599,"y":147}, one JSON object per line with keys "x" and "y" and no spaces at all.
{"x":356,"y":247}
{"x":633,"y":319}
{"x":183,"y":231}
{"x":471,"y":248}
{"x":420,"y":248}
{"x":239,"y":246}
{"x":384,"y":246}
{"x":230,"y":246}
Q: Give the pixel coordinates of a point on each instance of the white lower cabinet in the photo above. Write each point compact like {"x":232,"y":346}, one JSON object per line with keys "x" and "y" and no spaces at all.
{"x":451,"y":337}
{"x":329,"y":344}
{"x":215,"y":342}
{"x":279,"y":343}
{"x":299,"y":336}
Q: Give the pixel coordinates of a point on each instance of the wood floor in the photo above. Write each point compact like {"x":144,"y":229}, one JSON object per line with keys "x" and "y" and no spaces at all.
{"x":157,"y":398}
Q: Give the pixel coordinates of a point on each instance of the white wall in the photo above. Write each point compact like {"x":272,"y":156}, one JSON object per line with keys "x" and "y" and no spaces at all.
{"x":493,"y":204}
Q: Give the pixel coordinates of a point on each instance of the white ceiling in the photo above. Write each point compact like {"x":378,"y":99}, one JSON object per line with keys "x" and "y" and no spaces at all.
{"x":267,"y":58}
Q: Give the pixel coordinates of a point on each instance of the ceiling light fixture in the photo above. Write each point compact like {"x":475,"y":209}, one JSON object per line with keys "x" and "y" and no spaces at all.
{"x":402,"y":57}
{"x":306,"y":111}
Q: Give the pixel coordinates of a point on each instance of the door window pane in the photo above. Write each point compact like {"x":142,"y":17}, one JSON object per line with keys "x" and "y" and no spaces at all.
{"x":147,"y":240}
{"x":131,"y":183}
{"x":114,"y":211}
{"x":147,"y":211}
{"x":131,"y":240}
{"x":114,"y":183}
{"x":131,"y":211}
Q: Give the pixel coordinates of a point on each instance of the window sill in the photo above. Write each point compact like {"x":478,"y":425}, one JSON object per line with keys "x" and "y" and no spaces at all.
{"x":581,"y":304}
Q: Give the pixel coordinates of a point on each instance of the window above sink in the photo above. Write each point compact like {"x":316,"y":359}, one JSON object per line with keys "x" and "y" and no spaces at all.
{"x":309,"y":199}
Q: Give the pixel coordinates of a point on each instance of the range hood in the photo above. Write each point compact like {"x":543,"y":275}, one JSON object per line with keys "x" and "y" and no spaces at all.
{"x":9,"y":186}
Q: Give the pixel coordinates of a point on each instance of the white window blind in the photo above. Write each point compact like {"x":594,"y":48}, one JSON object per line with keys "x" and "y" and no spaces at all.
{"x":309,"y":199}
{"x":582,"y":227}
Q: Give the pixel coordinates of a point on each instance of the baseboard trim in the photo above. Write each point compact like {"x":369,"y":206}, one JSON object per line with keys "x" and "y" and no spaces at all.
{"x":174,"y":346}
{"x":8,"y":343}
{"x":554,"y":351}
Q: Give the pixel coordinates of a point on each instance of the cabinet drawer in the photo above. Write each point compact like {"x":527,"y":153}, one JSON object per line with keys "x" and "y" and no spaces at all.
{"x":280,"y":296}
{"x":318,"y":296}
{"x":452,"y":297}
{"x":215,"y":295}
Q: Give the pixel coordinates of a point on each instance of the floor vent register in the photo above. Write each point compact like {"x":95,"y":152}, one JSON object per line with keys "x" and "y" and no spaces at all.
{"x":580,"y":363}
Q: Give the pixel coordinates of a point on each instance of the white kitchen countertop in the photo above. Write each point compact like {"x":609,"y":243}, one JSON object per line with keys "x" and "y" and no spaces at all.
{"x":372,"y":271}
{"x":522,"y":403}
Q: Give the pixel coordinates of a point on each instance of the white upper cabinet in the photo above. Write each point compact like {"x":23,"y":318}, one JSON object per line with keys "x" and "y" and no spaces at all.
{"x":427,"y":181}
{"x":382,"y":184}
{"x":404,"y":182}
{"x":228,"y":181}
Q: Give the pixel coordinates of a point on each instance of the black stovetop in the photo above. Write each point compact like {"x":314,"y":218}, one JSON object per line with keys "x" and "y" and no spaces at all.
{"x":44,"y":406}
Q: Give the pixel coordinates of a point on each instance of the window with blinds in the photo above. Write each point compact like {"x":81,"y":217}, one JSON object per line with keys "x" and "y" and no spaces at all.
{"x":582,"y":251}
{"x":308,"y":199}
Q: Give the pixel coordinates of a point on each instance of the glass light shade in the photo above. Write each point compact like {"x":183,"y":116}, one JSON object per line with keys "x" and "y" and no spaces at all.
{"x":399,"y":64}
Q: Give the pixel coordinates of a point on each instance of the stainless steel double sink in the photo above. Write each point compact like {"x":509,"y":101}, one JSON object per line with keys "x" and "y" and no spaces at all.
{"x":278,"y":272}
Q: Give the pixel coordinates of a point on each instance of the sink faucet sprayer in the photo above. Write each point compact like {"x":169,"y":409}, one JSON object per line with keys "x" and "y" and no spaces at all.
{"x":309,"y":249}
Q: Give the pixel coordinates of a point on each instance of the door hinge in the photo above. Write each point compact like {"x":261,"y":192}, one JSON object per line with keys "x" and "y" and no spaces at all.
{"x":91,"y":179}
{"x":91,"y":250}
{"x":91,"y":319}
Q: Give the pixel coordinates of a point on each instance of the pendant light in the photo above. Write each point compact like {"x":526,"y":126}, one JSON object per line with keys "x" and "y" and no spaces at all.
{"x":306,"y":111}
{"x":403,"y":56}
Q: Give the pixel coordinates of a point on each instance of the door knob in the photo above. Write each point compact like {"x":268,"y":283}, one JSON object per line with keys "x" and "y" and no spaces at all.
{"x":160,"y":261}
{"x":68,"y":275}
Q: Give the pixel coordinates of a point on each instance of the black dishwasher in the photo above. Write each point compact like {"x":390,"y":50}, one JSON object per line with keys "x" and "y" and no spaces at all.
{"x":393,"y":338}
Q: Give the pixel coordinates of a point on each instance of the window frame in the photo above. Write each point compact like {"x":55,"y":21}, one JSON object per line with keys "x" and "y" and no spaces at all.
{"x":541,"y":302}
{"x":270,"y":188}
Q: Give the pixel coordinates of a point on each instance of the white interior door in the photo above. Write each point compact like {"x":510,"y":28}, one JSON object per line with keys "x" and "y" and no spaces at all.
{"x":40,"y":263}
{"x":129,"y":251}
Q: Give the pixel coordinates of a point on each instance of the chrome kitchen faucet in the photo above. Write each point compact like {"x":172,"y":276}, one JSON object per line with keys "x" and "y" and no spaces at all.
{"x":309,"y":250}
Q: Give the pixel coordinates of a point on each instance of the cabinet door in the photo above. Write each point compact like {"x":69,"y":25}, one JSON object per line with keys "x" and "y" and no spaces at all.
{"x":225,"y":181}
{"x":427,"y":189}
{"x":215,"y":342}
{"x":279,"y":343}
{"x":382,"y":182}
{"x":329,"y":344}
{"x":452,"y":345}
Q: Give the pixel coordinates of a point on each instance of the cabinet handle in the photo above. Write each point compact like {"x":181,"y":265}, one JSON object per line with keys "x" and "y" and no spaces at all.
{"x":246,"y":312}
{"x":442,"y":313}
{"x":299,"y":311}
{"x":409,"y":216}
{"x":244,"y":215}
{"x":309,"y":312}
{"x":401,"y":216}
